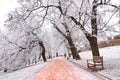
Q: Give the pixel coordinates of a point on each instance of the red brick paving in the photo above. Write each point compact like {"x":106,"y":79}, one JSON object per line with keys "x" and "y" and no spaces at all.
{"x":59,"y":69}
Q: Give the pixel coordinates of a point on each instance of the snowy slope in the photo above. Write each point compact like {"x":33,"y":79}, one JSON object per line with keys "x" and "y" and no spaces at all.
{"x":24,"y":74}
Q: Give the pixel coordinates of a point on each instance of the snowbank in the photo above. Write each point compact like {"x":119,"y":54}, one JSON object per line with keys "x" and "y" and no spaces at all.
{"x":111,"y":61}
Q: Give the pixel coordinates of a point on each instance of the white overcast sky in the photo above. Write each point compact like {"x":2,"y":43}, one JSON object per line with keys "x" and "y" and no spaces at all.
{"x":5,"y":7}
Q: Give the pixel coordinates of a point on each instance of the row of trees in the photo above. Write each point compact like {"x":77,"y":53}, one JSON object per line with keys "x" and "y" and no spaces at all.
{"x":67,"y":14}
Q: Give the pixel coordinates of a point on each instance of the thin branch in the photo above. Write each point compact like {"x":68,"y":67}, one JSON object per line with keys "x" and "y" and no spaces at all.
{"x":55,"y":26}
{"x":108,"y":20}
{"x":80,"y":25}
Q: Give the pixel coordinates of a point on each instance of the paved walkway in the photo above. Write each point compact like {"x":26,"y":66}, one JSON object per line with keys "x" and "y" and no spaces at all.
{"x":61,"y":69}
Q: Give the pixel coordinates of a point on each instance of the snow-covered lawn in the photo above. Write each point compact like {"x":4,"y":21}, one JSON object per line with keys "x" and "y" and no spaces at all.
{"x":24,"y":74}
{"x":111,"y":56}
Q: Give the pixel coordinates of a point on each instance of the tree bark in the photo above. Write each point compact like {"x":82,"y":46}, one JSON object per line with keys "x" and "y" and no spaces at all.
{"x":94,"y":46}
{"x":71,"y":43}
{"x":73,"y":48}
{"x":43,"y":51}
{"x":93,"y":37}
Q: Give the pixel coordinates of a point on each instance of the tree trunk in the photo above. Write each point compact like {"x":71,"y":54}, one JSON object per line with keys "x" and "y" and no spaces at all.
{"x":57,"y":55}
{"x":73,"y":49}
{"x":94,"y":45}
{"x":93,"y":37}
{"x":43,"y":51}
{"x":70,"y":41}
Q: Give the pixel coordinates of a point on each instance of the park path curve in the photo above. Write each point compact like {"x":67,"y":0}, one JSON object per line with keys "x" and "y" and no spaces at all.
{"x":61,"y":69}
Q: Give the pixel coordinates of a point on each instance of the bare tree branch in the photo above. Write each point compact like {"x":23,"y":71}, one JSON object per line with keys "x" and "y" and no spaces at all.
{"x":108,"y":20}
{"x":55,"y":26}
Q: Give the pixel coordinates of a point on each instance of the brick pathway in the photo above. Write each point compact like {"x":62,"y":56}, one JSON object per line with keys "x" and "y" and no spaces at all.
{"x":61,"y":69}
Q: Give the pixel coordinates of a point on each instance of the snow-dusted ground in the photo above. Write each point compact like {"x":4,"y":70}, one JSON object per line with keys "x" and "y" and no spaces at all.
{"x":111,"y":64}
{"x":24,"y":74}
{"x":111,"y":56}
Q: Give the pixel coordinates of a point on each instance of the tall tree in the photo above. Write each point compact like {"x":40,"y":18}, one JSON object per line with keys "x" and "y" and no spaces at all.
{"x":68,"y":37}
{"x":85,"y":8}
{"x":92,"y":37}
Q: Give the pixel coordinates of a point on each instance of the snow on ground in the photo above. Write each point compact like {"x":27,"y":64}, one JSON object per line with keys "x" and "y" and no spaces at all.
{"x":111,"y":56}
{"x":111,"y":64}
{"x":24,"y":74}
{"x":61,"y":69}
